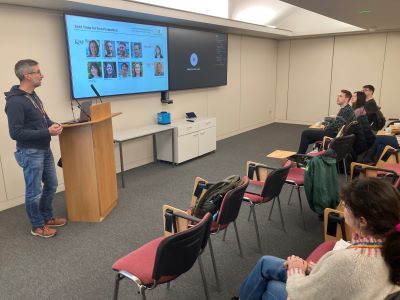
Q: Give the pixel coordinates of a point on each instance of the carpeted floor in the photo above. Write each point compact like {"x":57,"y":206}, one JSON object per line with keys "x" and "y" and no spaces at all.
{"x":76,"y":264}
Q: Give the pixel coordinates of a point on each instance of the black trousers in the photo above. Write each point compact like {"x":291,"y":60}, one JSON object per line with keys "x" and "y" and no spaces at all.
{"x":308,"y":137}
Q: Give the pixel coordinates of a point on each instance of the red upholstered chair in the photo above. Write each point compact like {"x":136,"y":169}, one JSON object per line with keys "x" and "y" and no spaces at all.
{"x":320,"y":251}
{"x":228,"y":214}
{"x":295,"y":179}
{"x":166,"y":258}
{"x":387,"y":171}
{"x":265,"y":185}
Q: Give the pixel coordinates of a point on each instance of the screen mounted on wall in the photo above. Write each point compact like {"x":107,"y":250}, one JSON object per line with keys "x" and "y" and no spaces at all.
{"x":196,"y":58}
{"x":116,"y":57}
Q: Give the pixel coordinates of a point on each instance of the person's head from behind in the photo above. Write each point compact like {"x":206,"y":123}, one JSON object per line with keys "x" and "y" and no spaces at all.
{"x":94,"y":70}
{"x":343,"y":98}
{"x":28,"y":72}
{"x":137,"y":49}
{"x":122,"y":49}
{"x":358,"y":99}
{"x":109,"y":48}
{"x":372,"y":208}
{"x":93,"y":48}
{"x":368,"y":90}
{"x":137,"y":70}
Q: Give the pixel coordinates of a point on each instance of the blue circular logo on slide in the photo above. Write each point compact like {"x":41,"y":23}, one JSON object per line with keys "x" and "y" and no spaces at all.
{"x":194,"y":59}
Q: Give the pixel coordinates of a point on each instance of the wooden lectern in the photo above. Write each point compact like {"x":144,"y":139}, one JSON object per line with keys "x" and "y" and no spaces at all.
{"x":87,"y":152}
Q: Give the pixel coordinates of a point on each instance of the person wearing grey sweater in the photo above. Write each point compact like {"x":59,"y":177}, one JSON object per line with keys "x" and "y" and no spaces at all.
{"x":368,"y":269}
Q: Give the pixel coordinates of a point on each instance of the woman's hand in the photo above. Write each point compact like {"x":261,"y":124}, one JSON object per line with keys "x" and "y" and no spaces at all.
{"x":295,"y":262}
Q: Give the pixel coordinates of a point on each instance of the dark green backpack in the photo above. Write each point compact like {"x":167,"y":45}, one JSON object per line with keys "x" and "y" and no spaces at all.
{"x":212,"y":198}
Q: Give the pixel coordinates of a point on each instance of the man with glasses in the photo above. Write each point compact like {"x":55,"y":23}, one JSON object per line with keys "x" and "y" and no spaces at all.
{"x":30,"y":126}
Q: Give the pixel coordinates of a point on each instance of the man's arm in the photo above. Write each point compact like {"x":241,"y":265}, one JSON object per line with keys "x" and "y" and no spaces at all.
{"x":16,"y":116}
{"x":344,"y":116}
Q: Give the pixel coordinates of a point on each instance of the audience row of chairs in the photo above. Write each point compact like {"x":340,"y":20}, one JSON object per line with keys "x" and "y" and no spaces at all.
{"x":166,"y":258}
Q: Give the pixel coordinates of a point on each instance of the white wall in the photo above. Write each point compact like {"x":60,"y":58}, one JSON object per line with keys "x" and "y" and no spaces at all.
{"x":248,"y":101}
{"x":318,"y":68}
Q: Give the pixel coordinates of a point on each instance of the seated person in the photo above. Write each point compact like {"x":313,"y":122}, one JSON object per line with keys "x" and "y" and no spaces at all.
{"x":372,"y":109}
{"x":344,"y":116}
{"x":358,"y":103}
{"x":365,"y":137}
{"x":368,"y":269}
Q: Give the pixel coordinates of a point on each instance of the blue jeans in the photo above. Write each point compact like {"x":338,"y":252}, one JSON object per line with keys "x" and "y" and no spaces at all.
{"x":38,"y":166}
{"x":267,"y":280}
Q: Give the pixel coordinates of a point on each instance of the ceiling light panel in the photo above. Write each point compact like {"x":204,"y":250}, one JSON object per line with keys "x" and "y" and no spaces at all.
{"x":216,"y":8}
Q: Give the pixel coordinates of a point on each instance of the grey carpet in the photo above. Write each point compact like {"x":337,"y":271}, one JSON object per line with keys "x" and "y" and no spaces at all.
{"x":76,"y":264}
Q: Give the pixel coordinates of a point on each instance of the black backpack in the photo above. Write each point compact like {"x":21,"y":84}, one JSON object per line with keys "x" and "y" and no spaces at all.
{"x":380,"y":119}
{"x":212,"y":198}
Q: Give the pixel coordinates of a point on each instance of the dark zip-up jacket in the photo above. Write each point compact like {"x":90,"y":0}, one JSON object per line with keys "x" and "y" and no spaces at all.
{"x":26,"y":124}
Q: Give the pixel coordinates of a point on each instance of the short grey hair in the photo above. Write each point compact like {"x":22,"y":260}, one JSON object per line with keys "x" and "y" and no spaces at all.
{"x":23,"y":66}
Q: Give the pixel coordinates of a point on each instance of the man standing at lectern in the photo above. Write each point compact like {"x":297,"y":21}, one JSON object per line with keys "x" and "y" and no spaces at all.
{"x":31,"y":128}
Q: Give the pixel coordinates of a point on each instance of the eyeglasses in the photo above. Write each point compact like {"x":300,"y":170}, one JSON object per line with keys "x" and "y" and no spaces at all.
{"x":35,"y":72}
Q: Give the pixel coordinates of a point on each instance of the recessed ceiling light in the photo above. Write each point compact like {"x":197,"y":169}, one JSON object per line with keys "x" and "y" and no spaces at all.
{"x":364,"y":11}
{"x":271,"y":26}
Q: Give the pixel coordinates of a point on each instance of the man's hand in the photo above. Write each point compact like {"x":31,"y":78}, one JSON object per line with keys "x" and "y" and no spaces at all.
{"x":55,"y":129}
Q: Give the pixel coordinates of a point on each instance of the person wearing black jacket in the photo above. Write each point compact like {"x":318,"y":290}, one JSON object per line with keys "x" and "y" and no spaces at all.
{"x":31,"y":128}
{"x":374,"y":114}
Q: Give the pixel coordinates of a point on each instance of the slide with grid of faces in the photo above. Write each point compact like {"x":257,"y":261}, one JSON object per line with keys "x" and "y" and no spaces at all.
{"x":116,"y":57}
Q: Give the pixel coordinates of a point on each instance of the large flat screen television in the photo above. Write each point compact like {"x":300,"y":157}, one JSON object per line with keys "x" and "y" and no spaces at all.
{"x":116,"y":57}
{"x":197,"y":59}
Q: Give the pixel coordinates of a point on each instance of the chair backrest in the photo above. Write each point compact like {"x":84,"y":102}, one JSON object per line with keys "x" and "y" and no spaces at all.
{"x":274,"y":182}
{"x":389,"y":155}
{"x":349,"y":128}
{"x":177,"y":253}
{"x":342,"y":146}
{"x":232,"y":203}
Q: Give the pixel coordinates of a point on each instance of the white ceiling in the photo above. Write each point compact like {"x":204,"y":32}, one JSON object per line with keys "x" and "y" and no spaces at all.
{"x":304,"y":17}
{"x":293,"y":18}
{"x":383,"y":15}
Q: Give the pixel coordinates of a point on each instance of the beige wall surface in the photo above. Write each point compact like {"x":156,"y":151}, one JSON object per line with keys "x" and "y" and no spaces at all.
{"x":309,"y":79}
{"x":318,"y":68}
{"x":282,"y":80}
{"x":389,"y":99}
{"x":248,"y":101}
{"x":357,"y":61}
{"x":258,"y":78}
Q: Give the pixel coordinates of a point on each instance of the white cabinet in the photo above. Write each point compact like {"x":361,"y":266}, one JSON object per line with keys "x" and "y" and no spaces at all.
{"x":191,"y":139}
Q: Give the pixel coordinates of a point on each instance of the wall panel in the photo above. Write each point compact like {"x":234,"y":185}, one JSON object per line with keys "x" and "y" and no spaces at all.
{"x":309,"y":79}
{"x":389,"y":99}
{"x":357,"y":60}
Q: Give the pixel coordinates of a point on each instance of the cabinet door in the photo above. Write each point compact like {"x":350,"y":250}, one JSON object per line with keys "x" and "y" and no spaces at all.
{"x":207,"y":140}
{"x":187,"y":147}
